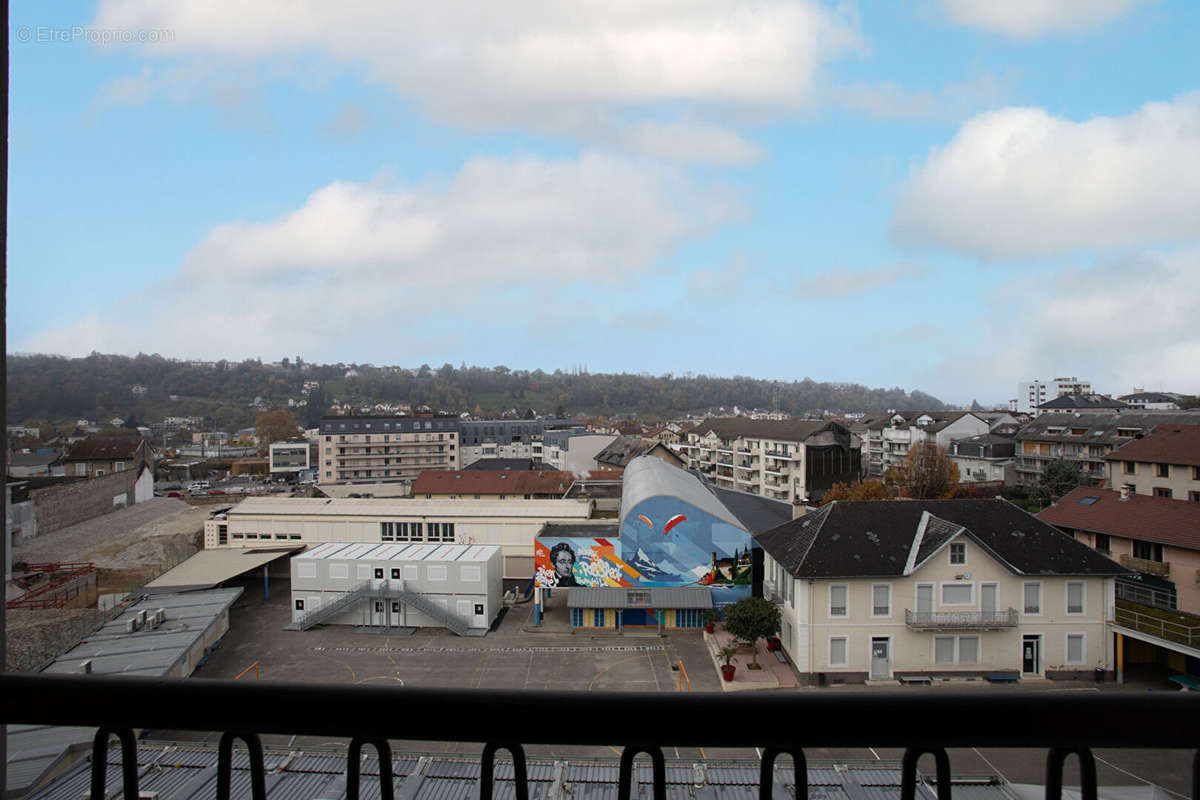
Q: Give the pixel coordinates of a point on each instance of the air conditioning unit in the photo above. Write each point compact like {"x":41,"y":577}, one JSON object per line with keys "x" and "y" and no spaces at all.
{"x":142,"y":617}
{"x":131,"y":625}
{"x":85,"y":667}
{"x":161,"y":615}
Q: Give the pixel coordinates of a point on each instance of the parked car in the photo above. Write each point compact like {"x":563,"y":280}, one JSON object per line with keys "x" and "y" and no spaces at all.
{"x":196,"y":487}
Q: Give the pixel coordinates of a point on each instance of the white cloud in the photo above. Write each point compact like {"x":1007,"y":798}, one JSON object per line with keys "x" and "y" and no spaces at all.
{"x":359,"y":261}
{"x":1124,"y":322}
{"x":890,"y":100}
{"x":552,"y":67}
{"x":1027,"y":19}
{"x":1020,"y":182}
{"x":840,"y":282}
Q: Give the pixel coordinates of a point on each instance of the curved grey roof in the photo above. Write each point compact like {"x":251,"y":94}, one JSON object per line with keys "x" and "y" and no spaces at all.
{"x":647,"y":476}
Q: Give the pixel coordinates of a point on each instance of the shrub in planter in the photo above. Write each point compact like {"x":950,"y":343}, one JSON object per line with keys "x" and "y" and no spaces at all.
{"x":710,"y":620}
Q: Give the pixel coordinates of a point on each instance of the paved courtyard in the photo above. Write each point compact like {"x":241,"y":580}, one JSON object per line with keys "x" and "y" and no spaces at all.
{"x":519,"y":656}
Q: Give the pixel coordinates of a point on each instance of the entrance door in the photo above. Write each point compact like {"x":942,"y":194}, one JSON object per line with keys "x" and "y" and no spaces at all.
{"x":1031,"y":655}
{"x":881,"y":661}
{"x":396,"y":615}
{"x":379,"y":615}
{"x":639,"y":618}
{"x":924,"y":598}
{"x":987,"y":598}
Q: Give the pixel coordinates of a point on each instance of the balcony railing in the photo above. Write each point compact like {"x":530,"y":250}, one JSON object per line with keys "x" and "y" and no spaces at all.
{"x":1160,"y":568}
{"x":926,"y":723}
{"x":1146,"y":595}
{"x":1158,"y":626}
{"x":960,"y":620}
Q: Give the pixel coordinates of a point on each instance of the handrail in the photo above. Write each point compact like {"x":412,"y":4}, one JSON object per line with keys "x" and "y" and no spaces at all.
{"x":253,"y":666}
{"x":1017,"y":718}
{"x":1157,"y":626}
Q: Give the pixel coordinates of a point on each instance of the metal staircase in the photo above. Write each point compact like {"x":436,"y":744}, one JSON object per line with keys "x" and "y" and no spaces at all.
{"x":448,"y":618}
{"x":316,"y":616}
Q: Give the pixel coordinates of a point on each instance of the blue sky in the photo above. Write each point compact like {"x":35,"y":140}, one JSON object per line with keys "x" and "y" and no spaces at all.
{"x":951,"y":195}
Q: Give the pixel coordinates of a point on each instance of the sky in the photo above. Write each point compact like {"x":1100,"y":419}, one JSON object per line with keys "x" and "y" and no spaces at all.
{"x":945,"y":195}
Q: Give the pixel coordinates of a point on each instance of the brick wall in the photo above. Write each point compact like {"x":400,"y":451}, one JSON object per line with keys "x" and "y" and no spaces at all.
{"x":58,"y":507}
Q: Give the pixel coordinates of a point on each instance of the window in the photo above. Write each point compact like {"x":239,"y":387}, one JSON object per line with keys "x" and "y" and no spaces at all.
{"x":479,"y":609}
{"x":1074,"y":648}
{"x":958,"y":594}
{"x":1194,"y":497}
{"x":1196,"y":473}
{"x":1129,"y":467}
{"x":1103,"y":543}
{"x":838,"y":647}
{"x":968,"y":649}
{"x":396,"y":574}
{"x":943,"y":649}
{"x":598,"y":618}
{"x":1162,"y":491}
{"x":299,"y":605}
{"x":1033,"y":598}
{"x":1075,"y":597}
{"x":576,"y":617}
{"x":958,"y":553}
{"x":837,"y":599}
{"x":379,"y":573}
{"x":1149,"y":551}
{"x":1162,"y":470}
{"x":387,"y":531}
{"x":415,"y":531}
{"x":881,"y":600}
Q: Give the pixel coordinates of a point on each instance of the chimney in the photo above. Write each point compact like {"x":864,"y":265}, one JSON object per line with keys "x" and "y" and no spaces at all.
{"x":1124,"y":492}
{"x":798,"y":509}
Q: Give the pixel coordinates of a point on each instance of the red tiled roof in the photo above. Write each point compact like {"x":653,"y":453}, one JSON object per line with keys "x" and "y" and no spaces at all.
{"x":1142,"y":516}
{"x":1166,"y":444}
{"x":492,"y":482}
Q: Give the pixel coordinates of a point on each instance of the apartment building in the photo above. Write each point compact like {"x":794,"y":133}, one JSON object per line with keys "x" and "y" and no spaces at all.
{"x":1086,"y":439}
{"x":887,"y":439}
{"x":511,"y":524}
{"x":293,"y":457}
{"x":357,"y":449}
{"x":986,"y":457}
{"x":791,"y":460}
{"x":937,"y":588}
{"x":574,"y":450}
{"x":506,"y":438}
{"x":1154,"y":401}
{"x":1071,"y":403}
{"x":1164,"y":463}
{"x":1032,"y":394}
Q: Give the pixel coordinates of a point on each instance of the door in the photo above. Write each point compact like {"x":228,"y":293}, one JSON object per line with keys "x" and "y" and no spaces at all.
{"x":924,"y":598}
{"x":881,"y":660}
{"x":638,"y":618}
{"x":397,"y":616}
{"x":379,"y":615}
{"x":987,"y":599}
{"x":1031,"y":655}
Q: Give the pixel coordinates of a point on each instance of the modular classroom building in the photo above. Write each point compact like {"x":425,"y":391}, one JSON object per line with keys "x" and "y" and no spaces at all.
{"x":398,"y":585}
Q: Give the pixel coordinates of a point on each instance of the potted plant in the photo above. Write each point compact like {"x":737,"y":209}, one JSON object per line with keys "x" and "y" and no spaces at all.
{"x":727,"y":669}
{"x":772,"y":644}
{"x":751,"y":619}
{"x":710,"y":620}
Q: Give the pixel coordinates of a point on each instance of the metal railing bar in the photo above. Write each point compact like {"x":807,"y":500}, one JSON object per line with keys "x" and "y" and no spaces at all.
{"x":1018,"y":718}
{"x":1055,"y":759}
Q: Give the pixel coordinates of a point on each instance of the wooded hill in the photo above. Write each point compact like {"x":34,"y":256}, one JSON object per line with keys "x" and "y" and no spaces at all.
{"x":100,"y":387}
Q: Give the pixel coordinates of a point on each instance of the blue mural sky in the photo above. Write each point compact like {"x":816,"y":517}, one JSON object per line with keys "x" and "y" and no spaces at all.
{"x":946,"y":194}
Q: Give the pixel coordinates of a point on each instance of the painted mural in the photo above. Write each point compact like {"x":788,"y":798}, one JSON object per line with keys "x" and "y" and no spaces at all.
{"x":663,"y":542}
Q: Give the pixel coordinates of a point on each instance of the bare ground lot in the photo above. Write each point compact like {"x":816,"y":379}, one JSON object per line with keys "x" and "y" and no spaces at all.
{"x":518,"y":659}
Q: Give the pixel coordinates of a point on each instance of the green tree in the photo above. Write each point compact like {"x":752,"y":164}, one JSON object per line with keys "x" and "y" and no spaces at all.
{"x":751,"y":619}
{"x":1057,"y":479}
{"x":926,"y":474}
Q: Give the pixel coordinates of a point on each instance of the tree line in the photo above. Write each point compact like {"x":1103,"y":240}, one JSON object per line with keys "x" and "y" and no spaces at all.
{"x":101,"y":386}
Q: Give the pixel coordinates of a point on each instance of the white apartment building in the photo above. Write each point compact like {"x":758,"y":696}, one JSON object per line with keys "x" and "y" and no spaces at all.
{"x":888,"y":440}
{"x":890,"y":590}
{"x":572,"y":451}
{"x":1031,"y":394}
{"x":782,"y":459}
{"x":385,"y":448}
{"x":509,"y":524}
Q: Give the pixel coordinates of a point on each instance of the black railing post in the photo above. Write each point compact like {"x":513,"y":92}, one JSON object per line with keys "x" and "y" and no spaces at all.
{"x":625,"y":775}
{"x":1055,"y":758}
{"x":487,"y":768}
{"x":129,"y":765}
{"x":908,"y":772}
{"x":766,"y":772}
{"x":387,"y":788}
{"x":254,"y":752}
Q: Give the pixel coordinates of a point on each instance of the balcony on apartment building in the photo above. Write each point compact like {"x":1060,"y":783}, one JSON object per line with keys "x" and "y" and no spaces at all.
{"x":1160,"y":568}
{"x":1172,"y":627}
{"x":960,"y":620}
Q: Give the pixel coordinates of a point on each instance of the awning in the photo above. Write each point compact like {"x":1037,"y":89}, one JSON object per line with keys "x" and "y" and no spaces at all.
{"x":648,"y":597}
{"x":208,"y":568}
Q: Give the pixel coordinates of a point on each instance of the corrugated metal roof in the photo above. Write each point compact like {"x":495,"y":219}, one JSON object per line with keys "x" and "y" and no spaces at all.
{"x":876,"y":777}
{"x":618,"y":597}
{"x":405,"y":508}
{"x":207,"y":568}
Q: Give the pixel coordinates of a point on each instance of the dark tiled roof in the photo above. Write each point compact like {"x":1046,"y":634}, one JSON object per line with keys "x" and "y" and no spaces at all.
{"x":1142,"y":516}
{"x":1149,"y":397}
{"x":757,"y":513}
{"x":1101,"y":428}
{"x":624,"y":449}
{"x":937,"y":533}
{"x":1166,"y":444}
{"x":875,"y":538}
{"x":1082,"y":402}
{"x":790,"y":430}
{"x":105,"y":448}
{"x":513,"y":464}
{"x":936,"y":426}
{"x":32,"y":459}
